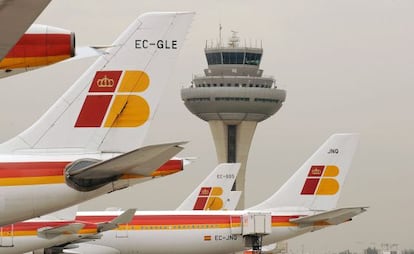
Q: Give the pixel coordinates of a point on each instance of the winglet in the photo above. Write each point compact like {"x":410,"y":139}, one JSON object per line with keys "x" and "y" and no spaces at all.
{"x":124,"y":218}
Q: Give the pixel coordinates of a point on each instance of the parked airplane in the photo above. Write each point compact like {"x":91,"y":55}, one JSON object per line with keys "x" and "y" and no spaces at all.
{"x":305,"y":203}
{"x":62,"y":228}
{"x":16,"y":16}
{"x":85,"y":144}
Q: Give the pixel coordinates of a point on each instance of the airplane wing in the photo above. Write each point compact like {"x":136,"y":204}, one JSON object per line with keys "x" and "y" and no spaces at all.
{"x":142,"y":161}
{"x":124,"y":218}
{"x":74,"y":236}
{"x":51,"y":232}
{"x":333,"y":217}
{"x":16,"y":16}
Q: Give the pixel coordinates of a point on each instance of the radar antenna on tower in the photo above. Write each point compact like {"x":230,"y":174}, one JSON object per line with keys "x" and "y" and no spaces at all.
{"x":234,"y":40}
{"x":220,"y":28}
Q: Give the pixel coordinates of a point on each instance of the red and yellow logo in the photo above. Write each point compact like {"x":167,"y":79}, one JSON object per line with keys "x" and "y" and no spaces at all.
{"x":113,"y":102}
{"x":321,"y":181}
{"x":209,"y":199}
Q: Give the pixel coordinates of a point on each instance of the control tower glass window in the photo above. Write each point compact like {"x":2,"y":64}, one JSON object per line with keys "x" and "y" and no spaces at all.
{"x":213,"y":58}
{"x":233,"y":57}
{"x":252,"y":59}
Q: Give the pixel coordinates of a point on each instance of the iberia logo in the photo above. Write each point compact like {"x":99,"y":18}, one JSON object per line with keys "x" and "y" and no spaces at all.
{"x":113,"y":102}
{"x":209,"y":199}
{"x":321,"y":181}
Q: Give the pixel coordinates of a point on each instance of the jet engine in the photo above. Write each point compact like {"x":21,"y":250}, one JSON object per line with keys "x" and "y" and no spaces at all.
{"x":41,"y":45}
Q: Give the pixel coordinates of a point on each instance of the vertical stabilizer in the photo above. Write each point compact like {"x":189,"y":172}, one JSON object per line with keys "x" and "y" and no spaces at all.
{"x":213,"y":192}
{"x":319,"y":181}
{"x":110,"y":107}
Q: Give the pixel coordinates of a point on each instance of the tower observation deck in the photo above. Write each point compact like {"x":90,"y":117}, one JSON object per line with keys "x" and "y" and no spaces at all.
{"x":233,"y":96}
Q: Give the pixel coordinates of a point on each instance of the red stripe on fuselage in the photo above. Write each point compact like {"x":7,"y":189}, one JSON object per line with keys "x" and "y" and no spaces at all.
{"x":32,"y":169}
{"x":276,"y":219}
{"x":181,"y":219}
{"x":39,"y":169}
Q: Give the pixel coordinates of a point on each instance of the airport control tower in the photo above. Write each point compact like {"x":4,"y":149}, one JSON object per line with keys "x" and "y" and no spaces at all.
{"x":233,"y":97}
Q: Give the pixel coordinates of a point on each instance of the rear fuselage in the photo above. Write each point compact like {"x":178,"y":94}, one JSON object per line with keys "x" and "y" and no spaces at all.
{"x":35,"y":185}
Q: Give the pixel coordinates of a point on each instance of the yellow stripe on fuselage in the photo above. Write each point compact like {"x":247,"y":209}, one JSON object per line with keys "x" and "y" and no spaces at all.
{"x":14,"y":181}
{"x":195,"y":226}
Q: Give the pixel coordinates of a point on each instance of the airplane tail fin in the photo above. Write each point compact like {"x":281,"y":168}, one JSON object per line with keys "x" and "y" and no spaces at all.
{"x":215,"y":190}
{"x":232,"y":200}
{"x":318,"y":182}
{"x":109,"y":108}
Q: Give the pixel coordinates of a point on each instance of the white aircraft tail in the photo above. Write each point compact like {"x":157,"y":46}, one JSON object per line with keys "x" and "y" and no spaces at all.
{"x":110,"y":107}
{"x":214,"y":193}
{"x":318,"y":182}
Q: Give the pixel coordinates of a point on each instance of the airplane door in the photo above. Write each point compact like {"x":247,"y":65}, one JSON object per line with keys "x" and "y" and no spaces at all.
{"x":235,"y":225}
{"x":6,"y":236}
{"x":122,"y":231}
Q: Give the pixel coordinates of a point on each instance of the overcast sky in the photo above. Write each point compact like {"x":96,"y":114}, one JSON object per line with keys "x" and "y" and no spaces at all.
{"x":347,"y":66}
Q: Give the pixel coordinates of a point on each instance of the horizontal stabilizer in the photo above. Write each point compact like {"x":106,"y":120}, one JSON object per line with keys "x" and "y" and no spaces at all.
{"x":333,"y":217}
{"x":101,"y":47}
{"x":269,"y":248}
{"x":85,"y":52}
{"x":51,"y":232}
{"x":142,"y":161}
{"x":188,"y":160}
{"x":124,"y":218}
{"x":70,"y":252}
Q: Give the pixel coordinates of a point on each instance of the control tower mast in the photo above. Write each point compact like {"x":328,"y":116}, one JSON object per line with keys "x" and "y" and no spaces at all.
{"x":233,"y":96}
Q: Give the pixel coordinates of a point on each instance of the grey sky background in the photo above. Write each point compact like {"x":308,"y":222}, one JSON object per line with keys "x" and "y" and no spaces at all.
{"x":347,"y":66}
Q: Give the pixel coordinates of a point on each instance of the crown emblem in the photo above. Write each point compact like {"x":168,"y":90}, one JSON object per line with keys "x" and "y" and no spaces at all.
{"x":105,"y":82}
{"x":205,"y":192}
{"x":316,"y":171}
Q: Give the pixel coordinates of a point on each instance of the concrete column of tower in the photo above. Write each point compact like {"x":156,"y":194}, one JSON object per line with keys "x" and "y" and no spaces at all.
{"x":237,"y":152}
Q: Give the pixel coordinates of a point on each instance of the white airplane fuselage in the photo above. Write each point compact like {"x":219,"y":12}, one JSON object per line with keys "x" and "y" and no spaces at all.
{"x":33,"y":185}
{"x":190,"y":232}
